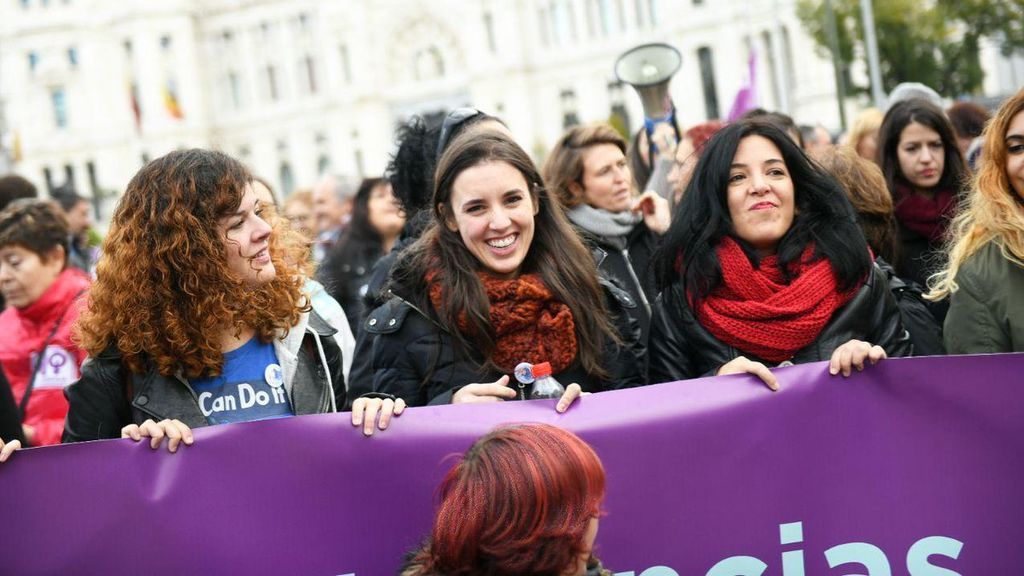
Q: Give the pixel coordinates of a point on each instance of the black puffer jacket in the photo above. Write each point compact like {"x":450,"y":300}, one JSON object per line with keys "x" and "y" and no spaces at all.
{"x":413,"y":358}
{"x":681,"y":348}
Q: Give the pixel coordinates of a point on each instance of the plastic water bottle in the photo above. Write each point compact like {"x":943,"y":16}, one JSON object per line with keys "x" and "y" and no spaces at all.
{"x":545,"y":385}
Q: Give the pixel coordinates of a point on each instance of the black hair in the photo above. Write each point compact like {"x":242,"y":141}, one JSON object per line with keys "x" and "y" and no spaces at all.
{"x":411,"y":168}
{"x":824,"y":217}
{"x":903,"y":113}
{"x":66,"y":197}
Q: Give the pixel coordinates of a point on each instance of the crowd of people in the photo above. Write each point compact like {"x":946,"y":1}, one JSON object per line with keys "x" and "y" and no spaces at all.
{"x":620,"y":263}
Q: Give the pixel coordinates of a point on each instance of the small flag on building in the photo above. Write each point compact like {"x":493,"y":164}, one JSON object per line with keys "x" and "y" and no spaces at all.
{"x":133,"y":96}
{"x":171,"y":100}
{"x":16,"y":148}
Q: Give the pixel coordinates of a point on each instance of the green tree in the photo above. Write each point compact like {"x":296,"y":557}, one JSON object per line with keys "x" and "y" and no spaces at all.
{"x":935,"y":43}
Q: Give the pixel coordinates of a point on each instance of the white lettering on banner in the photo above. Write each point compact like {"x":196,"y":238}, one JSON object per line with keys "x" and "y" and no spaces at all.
{"x":868,"y":556}
{"x":58,"y":369}
{"x":872,"y":558}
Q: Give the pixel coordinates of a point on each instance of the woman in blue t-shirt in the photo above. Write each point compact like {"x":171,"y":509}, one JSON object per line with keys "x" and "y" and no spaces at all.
{"x":197,"y":316}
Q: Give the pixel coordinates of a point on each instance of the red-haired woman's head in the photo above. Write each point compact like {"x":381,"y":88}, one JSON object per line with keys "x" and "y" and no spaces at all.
{"x":523,"y":500}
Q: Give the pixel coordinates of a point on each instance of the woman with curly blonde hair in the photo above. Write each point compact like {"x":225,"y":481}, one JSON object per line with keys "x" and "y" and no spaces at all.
{"x":985,"y":275}
{"x":197,"y":315}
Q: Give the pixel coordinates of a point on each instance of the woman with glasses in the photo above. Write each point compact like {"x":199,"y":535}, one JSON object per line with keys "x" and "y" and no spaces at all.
{"x":588,"y":172}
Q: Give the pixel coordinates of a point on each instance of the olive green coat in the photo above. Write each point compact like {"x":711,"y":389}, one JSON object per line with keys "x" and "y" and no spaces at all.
{"x":986,"y":313}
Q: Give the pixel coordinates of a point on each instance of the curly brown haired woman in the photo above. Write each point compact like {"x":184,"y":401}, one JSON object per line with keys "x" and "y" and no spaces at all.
{"x":197,"y":315}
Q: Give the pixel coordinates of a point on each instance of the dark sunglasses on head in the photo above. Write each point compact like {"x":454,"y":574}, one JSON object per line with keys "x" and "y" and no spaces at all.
{"x":452,"y":121}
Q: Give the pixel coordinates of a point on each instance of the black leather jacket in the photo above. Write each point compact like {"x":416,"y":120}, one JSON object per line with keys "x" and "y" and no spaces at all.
{"x":629,"y":267}
{"x":680,"y":348}
{"x":413,"y":358}
{"x":108,"y":397}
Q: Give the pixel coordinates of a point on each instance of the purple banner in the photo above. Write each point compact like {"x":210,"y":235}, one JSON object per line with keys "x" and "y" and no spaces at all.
{"x":914,"y":466}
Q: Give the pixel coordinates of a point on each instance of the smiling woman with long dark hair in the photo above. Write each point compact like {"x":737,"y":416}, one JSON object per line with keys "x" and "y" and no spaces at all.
{"x":765,"y":264}
{"x":498,"y":278}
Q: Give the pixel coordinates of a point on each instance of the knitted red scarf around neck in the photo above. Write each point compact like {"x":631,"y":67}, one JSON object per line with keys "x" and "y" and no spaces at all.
{"x":756,"y":312}
{"x":529,"y":323}
{"x":929,"y":217}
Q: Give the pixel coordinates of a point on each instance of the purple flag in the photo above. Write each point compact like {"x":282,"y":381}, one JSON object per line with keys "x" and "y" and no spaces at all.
{"x":913,"y":466}
{"x":746,"y":97}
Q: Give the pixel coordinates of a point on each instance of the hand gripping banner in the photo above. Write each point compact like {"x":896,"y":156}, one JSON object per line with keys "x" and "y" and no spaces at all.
{"x":913,"y":467}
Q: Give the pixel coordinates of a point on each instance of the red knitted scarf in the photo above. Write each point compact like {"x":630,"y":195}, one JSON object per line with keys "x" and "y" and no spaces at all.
{"x":755,"y":311}
{"x":529,"y":323}
{"x":929,"y":217}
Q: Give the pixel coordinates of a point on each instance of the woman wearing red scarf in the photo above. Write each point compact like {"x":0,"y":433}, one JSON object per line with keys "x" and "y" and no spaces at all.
{"x":925,"y":173}
{"x":765,"y":264}
{"x":498,"y":278}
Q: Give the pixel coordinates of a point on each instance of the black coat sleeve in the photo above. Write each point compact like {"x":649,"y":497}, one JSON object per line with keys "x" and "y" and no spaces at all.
{"x":98,"y":404}
{"x":10,"y":420}
{"x":627,"y":364}
{"x":360,"y":377}
{"x":333,"y":356}
{"x":669,"y":358}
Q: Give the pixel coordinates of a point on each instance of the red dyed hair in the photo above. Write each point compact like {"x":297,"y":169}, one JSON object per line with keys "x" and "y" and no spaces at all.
{"x":701,"y":133}
{"x":518,"y":503}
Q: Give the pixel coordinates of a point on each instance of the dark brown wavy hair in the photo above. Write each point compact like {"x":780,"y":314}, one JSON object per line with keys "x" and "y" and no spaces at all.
{"x":557,"y":254}
{"x":163,"y":292}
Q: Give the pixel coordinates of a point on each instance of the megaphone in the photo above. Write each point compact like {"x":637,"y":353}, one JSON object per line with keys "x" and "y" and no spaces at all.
{"x":648,"y":68}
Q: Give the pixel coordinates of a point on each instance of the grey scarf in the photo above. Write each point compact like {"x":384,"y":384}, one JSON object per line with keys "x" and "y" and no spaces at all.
{"x":611,"y":227}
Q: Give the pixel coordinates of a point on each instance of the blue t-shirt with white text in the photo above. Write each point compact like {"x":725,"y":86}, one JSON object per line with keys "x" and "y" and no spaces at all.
{"x":251,"y":387}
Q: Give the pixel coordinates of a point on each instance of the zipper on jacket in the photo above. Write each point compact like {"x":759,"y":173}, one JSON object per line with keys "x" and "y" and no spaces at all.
{"x":636,"y":280}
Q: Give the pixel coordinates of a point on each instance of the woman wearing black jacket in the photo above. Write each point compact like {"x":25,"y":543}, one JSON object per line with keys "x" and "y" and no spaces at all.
{"x":765,"y":264}
{"x":377,"y":220}
{"x":497,"y":279}
{"x":588,"y":172}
